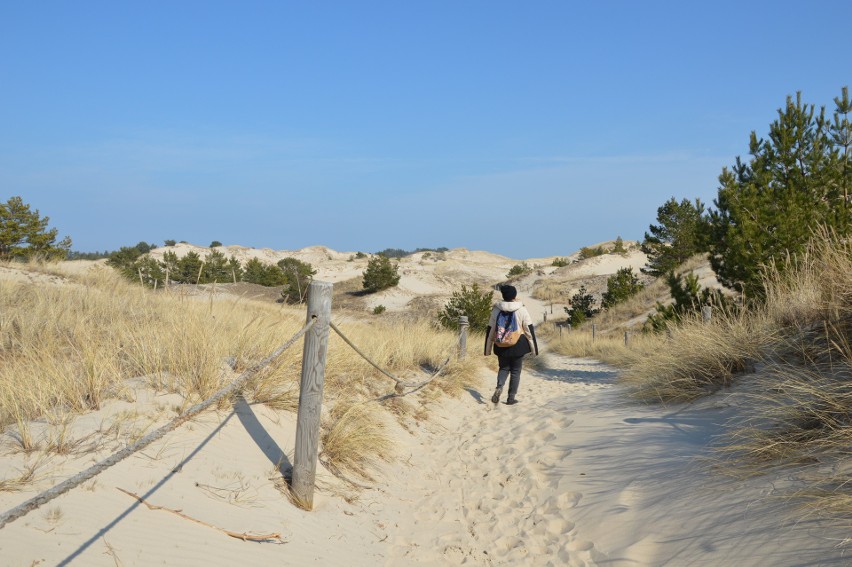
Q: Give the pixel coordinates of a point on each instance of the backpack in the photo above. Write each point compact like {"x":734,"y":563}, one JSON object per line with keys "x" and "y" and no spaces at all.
{"x":508,"y":331}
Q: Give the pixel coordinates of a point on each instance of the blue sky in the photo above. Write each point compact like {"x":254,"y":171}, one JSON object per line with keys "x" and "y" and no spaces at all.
{"x":523,"y":128}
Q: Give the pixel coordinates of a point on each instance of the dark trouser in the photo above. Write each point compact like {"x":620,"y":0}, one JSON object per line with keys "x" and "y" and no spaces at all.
{"x":510,"y":365}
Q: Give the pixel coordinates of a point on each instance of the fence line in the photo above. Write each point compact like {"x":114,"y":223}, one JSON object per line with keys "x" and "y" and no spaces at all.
{"x":63,"y":487}
{"x":400,"y":383}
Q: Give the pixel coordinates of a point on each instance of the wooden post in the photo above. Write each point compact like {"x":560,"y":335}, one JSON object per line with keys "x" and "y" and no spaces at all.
{"x":707,"y":313}
{"x":310,"y":394}
{"x":463,"y":325}
{"x":594,"y":331}
{"x":545,"y":316}
{"x":560,"y":332}
{"x":626,"y":338}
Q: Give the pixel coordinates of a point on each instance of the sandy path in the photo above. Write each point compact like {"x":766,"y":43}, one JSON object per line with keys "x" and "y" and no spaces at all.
{"x":575,"y":476}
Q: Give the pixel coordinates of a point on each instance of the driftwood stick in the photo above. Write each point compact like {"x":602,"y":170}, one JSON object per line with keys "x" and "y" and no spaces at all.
{"x":243,"y":536}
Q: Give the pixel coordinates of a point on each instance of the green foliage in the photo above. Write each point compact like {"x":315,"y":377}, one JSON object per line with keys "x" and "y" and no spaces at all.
{"x":77,"y":255}
{"x":126,"y":261}
{"x":688,"y":298}
{"x":620,"y":286}
{"x":24,"y":234}
{"x":215,"y":244}
{"x":400,"y":253}
{"x":521,"y":269}
{"x":380,"y":274}
{"x":360,"y":255}
{"x":560,"y":262}
{"x":618,"y":247}
{"x":379,"y":309}
{"x":582,"y":307}
{"x":268,"y":275}
{"x":169,"y":242}
{"x":683,"y":232}
{"x":299,"y":275}
{"x":587,"y":252}
{"x":473,"y":302}
{"x":796,"y":180}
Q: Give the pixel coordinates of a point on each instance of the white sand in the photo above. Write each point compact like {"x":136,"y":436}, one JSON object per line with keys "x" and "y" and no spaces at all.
{"x":573,"y":475}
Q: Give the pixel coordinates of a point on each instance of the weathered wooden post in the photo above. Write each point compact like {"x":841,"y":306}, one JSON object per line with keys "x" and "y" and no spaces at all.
{"x":707,"y":313}
{"x":463,"y":325}
{"x":560,"y":332}
{"x":310,"y":394}
{"x":626,"y":338}
{"x":594,"y":331}
{"x":545,"y":316}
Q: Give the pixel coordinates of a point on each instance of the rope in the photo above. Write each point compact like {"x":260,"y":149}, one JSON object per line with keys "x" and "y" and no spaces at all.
{"x":400,"y":383}
{"x":94,"y":470}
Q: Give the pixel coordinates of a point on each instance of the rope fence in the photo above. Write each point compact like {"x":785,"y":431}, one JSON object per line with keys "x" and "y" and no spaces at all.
{"x":78,"y":479}
{"x":306,"y":451}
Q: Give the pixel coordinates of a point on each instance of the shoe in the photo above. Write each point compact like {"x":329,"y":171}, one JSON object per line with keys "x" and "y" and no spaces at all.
{"x":496,"y":397}
{"x":511,"y":401}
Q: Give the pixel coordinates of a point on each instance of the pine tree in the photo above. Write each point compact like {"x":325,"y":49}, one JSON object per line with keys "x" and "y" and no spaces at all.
{"x":795,"y":181}
{"x":683,"y":232}
{"x":380,"y":274}
{"x":24,"y":233}
{"x":473,"y":302}
{"x":582,"y":307}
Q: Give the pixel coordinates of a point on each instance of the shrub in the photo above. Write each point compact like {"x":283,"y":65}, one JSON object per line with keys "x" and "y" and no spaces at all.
{"x":618,"y":247}
{"x":380,"y":274}
{"x":298,"y":275}
{"x":169,"y":242}
{"x":215,"y":244}
{"x":268,"y":275}
{"x":620,"y":286}
{"x":379,"y":309}
{"x":587,"y":252}
{"x":521,"y":269}
{"x":560,"y":262}
{"x":688,"y":297}
{"x":474,"y":302}
{"x":582,"y":307}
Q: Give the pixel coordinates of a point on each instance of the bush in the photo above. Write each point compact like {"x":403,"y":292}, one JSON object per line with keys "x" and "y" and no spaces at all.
{"x":169,"y":242}
{"x":618,"y":247}
{"x":560,"y":262}
{"x":379,"y":309}
{"x":620,"y":286}
{"x":688,"y":297}
{"x":268,"y":275}
{"x":521,"y":269}
{"x":215,"y":244}
{"x":380,"y":274}
{"x":473,"y":302}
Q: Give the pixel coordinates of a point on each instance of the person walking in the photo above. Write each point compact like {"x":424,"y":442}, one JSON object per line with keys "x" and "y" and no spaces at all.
{"x":507,"y":317}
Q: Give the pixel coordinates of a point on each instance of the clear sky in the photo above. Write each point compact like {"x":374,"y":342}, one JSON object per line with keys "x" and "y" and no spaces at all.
{"x":523,"y":128}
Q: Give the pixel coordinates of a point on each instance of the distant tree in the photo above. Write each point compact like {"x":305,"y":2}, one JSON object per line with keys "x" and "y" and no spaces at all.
{"x":393,"y":253}
{"x":682,"y":232}
{"x":235,"y":269}
{"x":24,"y":233}
{"x":560,"y":262}
{"x":380,"y":274}
{"x":268,"y":275}
{"x":473,"y":302}
{"x":169,"y":242}
{"x":618,"y":247}
{"x":216,"y":268}
{"x":126,"y":260}
{"x":215,"y":244}
{"x":620,"y":286}
{"x":582,"y":307}
{"x":796,"y":180}
{"x":189,"y":268}
{"x":298,"y":276}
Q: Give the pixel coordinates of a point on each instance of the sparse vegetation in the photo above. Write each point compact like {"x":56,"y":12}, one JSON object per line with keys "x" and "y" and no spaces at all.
{"x":582,"y":307}
{"x":560,"y":262}
{"x":587,"y":252}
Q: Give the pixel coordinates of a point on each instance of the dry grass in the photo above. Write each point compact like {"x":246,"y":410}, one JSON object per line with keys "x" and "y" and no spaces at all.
{"x":66,"y":349}
{"x":799,"y":407}
{"x":356,"y":437}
